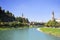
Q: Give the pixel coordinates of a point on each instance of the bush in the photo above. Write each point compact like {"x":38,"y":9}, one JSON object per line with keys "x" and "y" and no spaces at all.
{"x":52,"y":24}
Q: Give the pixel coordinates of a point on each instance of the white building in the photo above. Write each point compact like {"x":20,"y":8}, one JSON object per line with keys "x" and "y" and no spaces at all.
{"x":58,"y":20}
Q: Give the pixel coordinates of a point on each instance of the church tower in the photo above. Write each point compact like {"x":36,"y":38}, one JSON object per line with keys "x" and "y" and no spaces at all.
{"x":53,"y":16}
{"x":23,"y":19}
{"x":22,"y":15}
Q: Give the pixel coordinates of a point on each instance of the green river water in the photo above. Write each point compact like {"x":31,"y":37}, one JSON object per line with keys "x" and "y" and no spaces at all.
{"x":25,"y":34}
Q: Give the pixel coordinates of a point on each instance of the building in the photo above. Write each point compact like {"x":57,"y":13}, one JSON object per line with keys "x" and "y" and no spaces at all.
{"x":58,"y":20}
{"x":23,"y":15}
{"x":53,"y":18}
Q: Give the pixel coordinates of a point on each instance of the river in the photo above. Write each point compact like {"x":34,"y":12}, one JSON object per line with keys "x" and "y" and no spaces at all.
{"x":25,"y":34}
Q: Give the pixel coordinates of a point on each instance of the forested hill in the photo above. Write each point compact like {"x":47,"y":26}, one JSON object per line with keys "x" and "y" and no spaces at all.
{"x":6,"y":16}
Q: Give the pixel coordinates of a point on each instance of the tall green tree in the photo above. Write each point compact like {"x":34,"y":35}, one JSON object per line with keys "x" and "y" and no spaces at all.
{"x":51,"y":23}
{"x":6,"y":16}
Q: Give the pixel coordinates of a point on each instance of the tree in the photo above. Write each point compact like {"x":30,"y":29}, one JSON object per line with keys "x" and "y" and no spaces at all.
{"x":22,"y":20}
{"x":6,"y":16}
{"x":0,"y":8}
{"x":51,"y":23}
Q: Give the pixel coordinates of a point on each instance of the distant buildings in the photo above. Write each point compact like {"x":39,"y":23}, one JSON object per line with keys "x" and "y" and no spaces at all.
{"x":58,"y":20}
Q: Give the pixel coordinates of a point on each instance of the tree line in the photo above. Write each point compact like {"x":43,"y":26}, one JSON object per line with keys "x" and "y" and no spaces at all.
{"x":53,"y":23}
{"x":8,"y":18}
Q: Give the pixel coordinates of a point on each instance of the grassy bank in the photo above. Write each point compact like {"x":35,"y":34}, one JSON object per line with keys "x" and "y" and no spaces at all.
{"x":52,"y":31}
{"x":12,"y":28}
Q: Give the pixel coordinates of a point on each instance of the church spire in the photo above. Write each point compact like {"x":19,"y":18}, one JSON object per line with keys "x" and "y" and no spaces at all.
{"x":53,"y":16}
{"x":22,"y":15}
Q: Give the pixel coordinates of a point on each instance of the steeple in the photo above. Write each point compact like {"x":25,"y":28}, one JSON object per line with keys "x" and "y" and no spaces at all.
{"x":22,"y":15}
{"x":53,"y":16}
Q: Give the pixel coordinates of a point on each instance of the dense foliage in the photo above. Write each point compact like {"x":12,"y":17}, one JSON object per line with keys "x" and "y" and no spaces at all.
{"x":52,"y":24}
{"x":8,"y":19}
{"x":6,"y":16}
{"x":22,"y":20}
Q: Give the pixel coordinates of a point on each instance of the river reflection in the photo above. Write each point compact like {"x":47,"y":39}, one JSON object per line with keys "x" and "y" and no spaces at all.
{"x":25,"y":34}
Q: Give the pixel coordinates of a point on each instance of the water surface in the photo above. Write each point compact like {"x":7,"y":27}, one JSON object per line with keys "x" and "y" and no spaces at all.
{"x":25,"y":34}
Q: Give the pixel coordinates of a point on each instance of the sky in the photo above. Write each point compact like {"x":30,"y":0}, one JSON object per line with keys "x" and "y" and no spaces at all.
{"x":34,"y":10}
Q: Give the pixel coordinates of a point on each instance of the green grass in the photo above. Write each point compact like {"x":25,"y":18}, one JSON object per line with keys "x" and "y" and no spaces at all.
{"x":53,"y":31}
{"x":12,"y":28}
{"x":7,"y":28}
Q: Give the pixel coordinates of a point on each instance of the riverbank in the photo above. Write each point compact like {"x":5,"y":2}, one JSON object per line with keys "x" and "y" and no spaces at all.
{"x":51,"y":31}
{"x":39,"y":29}
{"x":12,"y":28}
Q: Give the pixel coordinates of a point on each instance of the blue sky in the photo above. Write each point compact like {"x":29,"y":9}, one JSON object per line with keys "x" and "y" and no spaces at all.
{"x":34,"y":10}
